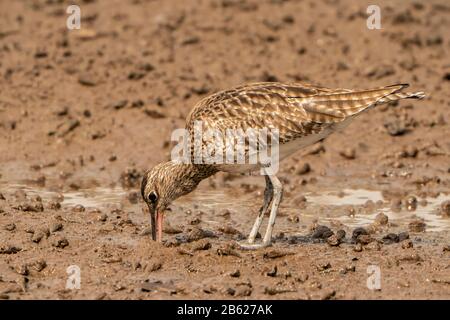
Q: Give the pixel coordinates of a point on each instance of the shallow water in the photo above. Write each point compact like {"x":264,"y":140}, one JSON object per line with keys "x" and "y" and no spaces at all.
{"x":326,"y":206}
{"x":429,"y":212}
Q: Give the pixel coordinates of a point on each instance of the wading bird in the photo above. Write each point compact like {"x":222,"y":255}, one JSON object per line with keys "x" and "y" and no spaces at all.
{"x":302,"y":114}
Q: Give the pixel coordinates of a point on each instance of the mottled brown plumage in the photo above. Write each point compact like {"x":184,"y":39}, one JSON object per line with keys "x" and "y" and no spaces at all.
{"x":302,"y":113}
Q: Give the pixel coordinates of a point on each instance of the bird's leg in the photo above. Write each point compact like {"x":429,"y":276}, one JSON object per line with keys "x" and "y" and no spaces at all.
{"x":277,"y":195}
{"x":268,"y":196}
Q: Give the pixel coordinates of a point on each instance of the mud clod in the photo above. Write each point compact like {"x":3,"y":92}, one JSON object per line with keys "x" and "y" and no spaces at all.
{"x":130,"y":178}
{"x":395,"y":127}
{"x":340,"y":234}
{"x":169,"y":229}
{"x":321,"y":232}
{"x":201,"y":245}
{"x":407,"y":244}
{"x":303,"y":169}
{"x":275,"y":253}
{"x":30,"y":207}
{"x":445,"y":209}
{"x":381,"y":219}
{"x":235,"y":274}
{"x":38,"y":236}
{"x":197,"y":234}
{"x":333,"y":240}
{"x":229,"y":230}
{"x":86,"y":113}
{"x":271,"y":291}
{"x":417,"y":226}
{"x":391,"y":238}
{"x":348,"y":153}
{"x":10,"y":227}
{"x":60,"y":242}
{"x":228,"y":250}
{"x":402,"y":236}
{"x":79,"y":208}
{"x":55,"y":227}
{"x":9,"y":249}
{"x":358,"y":232}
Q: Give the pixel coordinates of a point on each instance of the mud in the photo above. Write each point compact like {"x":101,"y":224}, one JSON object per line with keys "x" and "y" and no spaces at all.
{"x":84,"y":113}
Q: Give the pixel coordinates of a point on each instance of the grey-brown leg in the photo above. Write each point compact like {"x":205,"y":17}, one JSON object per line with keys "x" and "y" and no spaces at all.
{"x":277,"y":195}
{"x":268,"y":196}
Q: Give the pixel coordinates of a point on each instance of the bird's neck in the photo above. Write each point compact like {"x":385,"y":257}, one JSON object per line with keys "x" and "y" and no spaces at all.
{"x":187,"y":176}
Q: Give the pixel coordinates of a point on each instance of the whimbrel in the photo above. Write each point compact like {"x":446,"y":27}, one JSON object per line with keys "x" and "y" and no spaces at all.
{"x":301,"y":113}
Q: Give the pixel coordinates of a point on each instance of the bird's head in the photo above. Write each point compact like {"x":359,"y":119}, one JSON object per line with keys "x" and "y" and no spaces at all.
{"x":162,"y":185}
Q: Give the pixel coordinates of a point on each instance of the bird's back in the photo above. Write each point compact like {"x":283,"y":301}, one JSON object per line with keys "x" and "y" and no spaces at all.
{"x":295,"y":109}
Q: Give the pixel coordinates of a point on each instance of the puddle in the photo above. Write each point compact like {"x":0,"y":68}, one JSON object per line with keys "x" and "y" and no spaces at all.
{"x":98,"y":197}
{"x":349,"y":197}
{"x":325,"y":206}
{"x":429,"y":213}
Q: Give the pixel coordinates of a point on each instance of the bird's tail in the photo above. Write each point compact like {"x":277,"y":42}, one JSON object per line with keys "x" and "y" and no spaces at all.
{"x":398,"y":95}
{"x":335,"y":106}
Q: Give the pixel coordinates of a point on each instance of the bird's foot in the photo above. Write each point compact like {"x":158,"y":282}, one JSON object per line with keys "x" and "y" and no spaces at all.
{"x":253,"y":246}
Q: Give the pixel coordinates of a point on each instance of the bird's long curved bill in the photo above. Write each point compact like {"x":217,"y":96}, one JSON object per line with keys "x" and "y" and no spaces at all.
{"x":157,"y":219}
{"x":159,"y":225}
{"x":153,"y":222}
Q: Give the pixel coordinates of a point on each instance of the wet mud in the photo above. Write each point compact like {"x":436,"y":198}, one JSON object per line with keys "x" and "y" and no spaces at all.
{"x":84,"y":113}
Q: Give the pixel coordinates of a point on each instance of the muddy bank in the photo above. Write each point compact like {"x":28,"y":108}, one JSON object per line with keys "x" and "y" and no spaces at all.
{"x":84,"y":113}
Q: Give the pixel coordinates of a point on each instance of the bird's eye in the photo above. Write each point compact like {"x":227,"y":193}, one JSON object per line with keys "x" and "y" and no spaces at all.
{"x":152,"y":197}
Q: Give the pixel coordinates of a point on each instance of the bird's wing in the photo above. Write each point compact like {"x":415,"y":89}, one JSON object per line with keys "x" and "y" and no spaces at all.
{"x":296,"y":110}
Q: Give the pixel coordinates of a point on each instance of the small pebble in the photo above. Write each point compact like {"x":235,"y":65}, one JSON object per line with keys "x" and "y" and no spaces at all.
{"x":37,"y":236}
{"x":229,"y":230}
{"x":272,"y":272}
{"x":102,"y":217}
{"x":381,"y":219}
{"x":78,"y":208}
{"x":60,"y":242}
{"x":303,"y":169}
{"x":407,"y":244}
{"x":411,"y":203}
{"x":445,"y":208}
{"x":417,"y":226}
{"x":403,"y":236}
{"x":39,"y":265}
{"x":243,"y":291}
{"x":202,"y":244}
{"x":390,"y":238}
{"x":198,"y":233}
{"x":340,"y":234}
{"x":10,"y":227}
{"x":321,"y":232}
{"x":22,"y":269}
{"x":54,"y":205}
{"x":230,"y":291}
{"x":359,"y":231}
{"x":364,"y":239}
{"x":235,"y":274}
{"x":333,"y":240}
{"x":348,"y":153}
{"x":55,"y":227}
